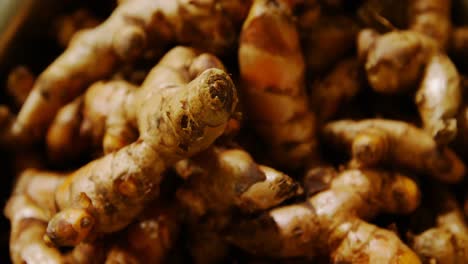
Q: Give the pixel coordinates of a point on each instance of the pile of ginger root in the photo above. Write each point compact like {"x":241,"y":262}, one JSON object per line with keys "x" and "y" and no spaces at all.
{"x":242,"y":131}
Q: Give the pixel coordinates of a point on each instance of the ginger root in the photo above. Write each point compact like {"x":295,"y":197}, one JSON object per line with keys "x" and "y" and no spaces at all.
{"x":394,"y":143}
{"x":329,"y":223}
{"x":26,"y":244}
{"x":93,"y":54}
{"x":396,"y":61}
{"x":232,"y":179}
{"x":28,"y":209}
{"x":176,"y":117}
{"x":439,"y":98}
{"x":400,"y":60}
{"x":275,"y":97}
{"x":98,"y":121}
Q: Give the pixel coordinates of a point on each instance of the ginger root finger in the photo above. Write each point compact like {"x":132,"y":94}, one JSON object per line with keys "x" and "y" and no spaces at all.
{"x":439,"y":98}
{"x":395,"y":62}
{"x":275,"y":96}
{"x":8,"y":138}
{"x":233,"y":179}
{"x":394,"y":143}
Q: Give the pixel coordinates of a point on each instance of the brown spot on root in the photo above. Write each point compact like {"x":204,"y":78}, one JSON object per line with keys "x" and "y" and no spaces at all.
{"x":286,"y":188}
{"x":109,"y":208}
{"x":86,"y":222}
{"x":44,"y":93}
{"x":183,"y":146}
{"x":218,"y":91}
{"x":127,"y":187}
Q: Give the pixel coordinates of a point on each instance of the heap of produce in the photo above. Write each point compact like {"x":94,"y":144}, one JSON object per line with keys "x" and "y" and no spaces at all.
{"x":242,"y":131}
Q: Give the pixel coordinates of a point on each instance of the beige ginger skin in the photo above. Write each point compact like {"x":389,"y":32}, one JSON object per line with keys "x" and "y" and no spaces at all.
{"x":176,"y":116}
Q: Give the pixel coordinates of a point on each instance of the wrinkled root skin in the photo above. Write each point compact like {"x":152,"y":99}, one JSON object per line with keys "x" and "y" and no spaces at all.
{"x":177,"y":121}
